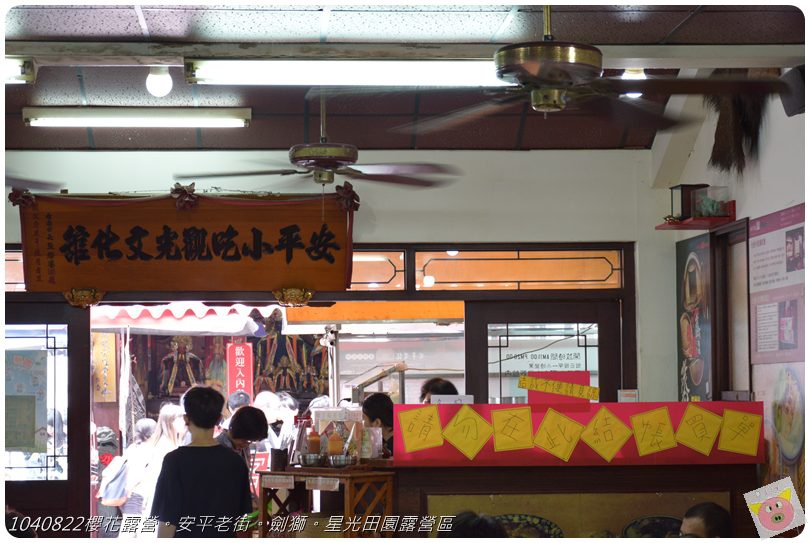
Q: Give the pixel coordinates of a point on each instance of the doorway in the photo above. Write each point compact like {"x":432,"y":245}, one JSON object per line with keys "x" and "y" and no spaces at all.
{"x":507,"y":339}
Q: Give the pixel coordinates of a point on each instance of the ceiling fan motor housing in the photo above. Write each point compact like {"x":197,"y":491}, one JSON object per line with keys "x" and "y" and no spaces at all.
{"x":548,"y":64}
{"x":328,"y":156}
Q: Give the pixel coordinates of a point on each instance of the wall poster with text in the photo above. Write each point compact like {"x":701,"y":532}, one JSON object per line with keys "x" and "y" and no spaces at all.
{"x":26,"y":388}
{"x":694,"y":299}
{"x":776,"y":275}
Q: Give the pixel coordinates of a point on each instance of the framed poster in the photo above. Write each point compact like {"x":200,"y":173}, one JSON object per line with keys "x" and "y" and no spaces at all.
{"x":694,"y":307}
{"x":26,"y":388}
{"x":776,"y":259}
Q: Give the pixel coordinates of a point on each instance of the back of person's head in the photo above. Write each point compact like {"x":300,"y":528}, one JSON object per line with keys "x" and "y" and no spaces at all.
{"x":165,"y":428}
{"x":286,"y":401}
{"x":203,"y":406}
{"x":436,"y":385}
{"x":144,"y":429}
{"x":266,"y":400}
{"x":379,"y":406}
{"x":238,"y":399}
{"x":469,"y":524}
{"x":56,"y":422}
{"x":716,"y":520}
{"x":248,"y":423}
{"x":318,"y":402}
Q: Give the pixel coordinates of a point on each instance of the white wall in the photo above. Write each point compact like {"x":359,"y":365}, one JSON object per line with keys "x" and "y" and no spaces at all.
{"x":535,"y":196}
{"x":773,"y":182}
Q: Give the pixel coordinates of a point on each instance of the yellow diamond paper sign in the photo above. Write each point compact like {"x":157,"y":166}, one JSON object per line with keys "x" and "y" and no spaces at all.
{"x":606,"y":434}
{"x":467,"y":431}
{"x":740,"y":432}
{"x":558,"y":434}
{"x":421,"y":428}
{"x":512,"y":428}
{"x":698,"y":429}
{"x":653,"y":431}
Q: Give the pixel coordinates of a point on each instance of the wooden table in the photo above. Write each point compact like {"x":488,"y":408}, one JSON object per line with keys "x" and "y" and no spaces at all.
{"x":365,"y":493}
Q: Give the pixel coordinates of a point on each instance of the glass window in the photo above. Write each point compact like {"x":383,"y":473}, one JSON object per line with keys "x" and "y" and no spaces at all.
{"x":376,"y":270}
{"x":15,"y":281}
{"x":518,"y":270}
{"x":428,"y":350}
{"x":516,"y":349}
{"x":36,"y":402}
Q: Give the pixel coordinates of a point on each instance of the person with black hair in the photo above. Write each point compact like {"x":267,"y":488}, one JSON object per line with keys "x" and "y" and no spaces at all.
{"x":378,"y":412}
{"x":238,"y":399}
{"x":202,"y":483}
{"x":247,"y":425}
{"x":706,"y":519}
{"x":436,"y":385}
{"x":469,"y":524}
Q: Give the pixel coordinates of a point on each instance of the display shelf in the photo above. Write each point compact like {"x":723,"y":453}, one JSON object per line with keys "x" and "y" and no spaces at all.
{"x":702,"y":223}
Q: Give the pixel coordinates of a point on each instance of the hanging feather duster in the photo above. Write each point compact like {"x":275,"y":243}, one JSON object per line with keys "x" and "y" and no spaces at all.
{"x":739,"y":120}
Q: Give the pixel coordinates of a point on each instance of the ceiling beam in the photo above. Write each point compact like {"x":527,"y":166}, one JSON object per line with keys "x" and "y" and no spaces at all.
{"x":671,"y":149}
{"x":614,"y":56}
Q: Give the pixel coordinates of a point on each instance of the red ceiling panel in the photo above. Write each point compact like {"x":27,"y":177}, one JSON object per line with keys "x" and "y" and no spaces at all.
{"x":570,"y":131}
{"x":363,"y":131}
{"x":493,"y":132}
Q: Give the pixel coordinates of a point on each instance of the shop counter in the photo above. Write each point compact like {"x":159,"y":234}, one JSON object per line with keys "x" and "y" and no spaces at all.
{"x":365,"y":492}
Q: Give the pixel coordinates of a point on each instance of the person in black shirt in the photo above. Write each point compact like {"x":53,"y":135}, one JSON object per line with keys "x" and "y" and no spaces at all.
{"x":204,"y":488}
{"x":378,"y":411}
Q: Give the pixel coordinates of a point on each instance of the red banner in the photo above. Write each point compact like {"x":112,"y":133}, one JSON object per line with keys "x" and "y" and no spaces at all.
{"x":239,"y":357}
{"x":655,"y":433}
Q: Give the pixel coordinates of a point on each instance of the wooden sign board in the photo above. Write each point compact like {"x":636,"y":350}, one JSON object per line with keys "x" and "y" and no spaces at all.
{"x":221,"y":243}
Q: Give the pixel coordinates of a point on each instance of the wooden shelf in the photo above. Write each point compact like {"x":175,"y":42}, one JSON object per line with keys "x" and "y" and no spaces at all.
{"x":702,"y":223}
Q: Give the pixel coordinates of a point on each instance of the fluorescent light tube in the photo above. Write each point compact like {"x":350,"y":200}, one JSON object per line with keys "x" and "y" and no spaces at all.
{"x":355,"y":73}
{"x":137,"y":117}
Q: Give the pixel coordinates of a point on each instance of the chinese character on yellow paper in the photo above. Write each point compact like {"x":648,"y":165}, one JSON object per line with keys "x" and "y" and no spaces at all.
{"x":698,"y":429}
{"x":467,"y":431}
{"x":740,"y":432}
{"x":606,"y":434}
{"x":558,"y":434}
{"x":653,"y":431}
{"x":421,"y":428}
{"x":512,"y":428}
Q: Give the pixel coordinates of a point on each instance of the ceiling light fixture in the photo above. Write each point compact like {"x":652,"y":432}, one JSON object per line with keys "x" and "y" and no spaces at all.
{"x":159,"y":81}
{"x":18,"y":70}
{"x":633,"y":73}
{"x":452,"y":253}
{"x":429,"y":281}
{"x":137,"y":117}
{"x":356,"y":73}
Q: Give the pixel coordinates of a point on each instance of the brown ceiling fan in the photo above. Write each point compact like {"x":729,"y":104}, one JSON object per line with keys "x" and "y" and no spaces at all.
{"x":24,"y":183}
{"x":323,"y":160}
{"x":554,"y":76}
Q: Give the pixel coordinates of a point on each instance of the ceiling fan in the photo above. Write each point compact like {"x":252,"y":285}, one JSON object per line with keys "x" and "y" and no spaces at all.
{"x":23,"y":183}
{"x":555,"y":76}
{"x":321,"y":161}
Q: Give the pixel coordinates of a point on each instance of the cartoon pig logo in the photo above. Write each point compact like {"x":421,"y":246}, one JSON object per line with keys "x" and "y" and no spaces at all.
{"x":776,"y":513}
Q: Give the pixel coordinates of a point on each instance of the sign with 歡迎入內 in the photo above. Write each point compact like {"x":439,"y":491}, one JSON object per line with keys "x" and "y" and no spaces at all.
{"x":187,"y":242}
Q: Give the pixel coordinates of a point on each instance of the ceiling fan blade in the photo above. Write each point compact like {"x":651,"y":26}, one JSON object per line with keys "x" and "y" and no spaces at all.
{"x":32,"y":184}
{"x":459,"y":116}
{"x":393,"y":179}
{"x":405,"y":168}
{"x":714,"y":85}
{"x":630,"y":110}
{"x":238,"y":174}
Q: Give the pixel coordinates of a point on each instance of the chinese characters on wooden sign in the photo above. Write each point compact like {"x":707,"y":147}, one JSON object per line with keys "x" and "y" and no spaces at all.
{"x":218,"y":243}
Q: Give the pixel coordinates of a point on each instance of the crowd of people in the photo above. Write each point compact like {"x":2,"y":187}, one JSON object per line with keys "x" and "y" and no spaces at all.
{"x":183,"y":464}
